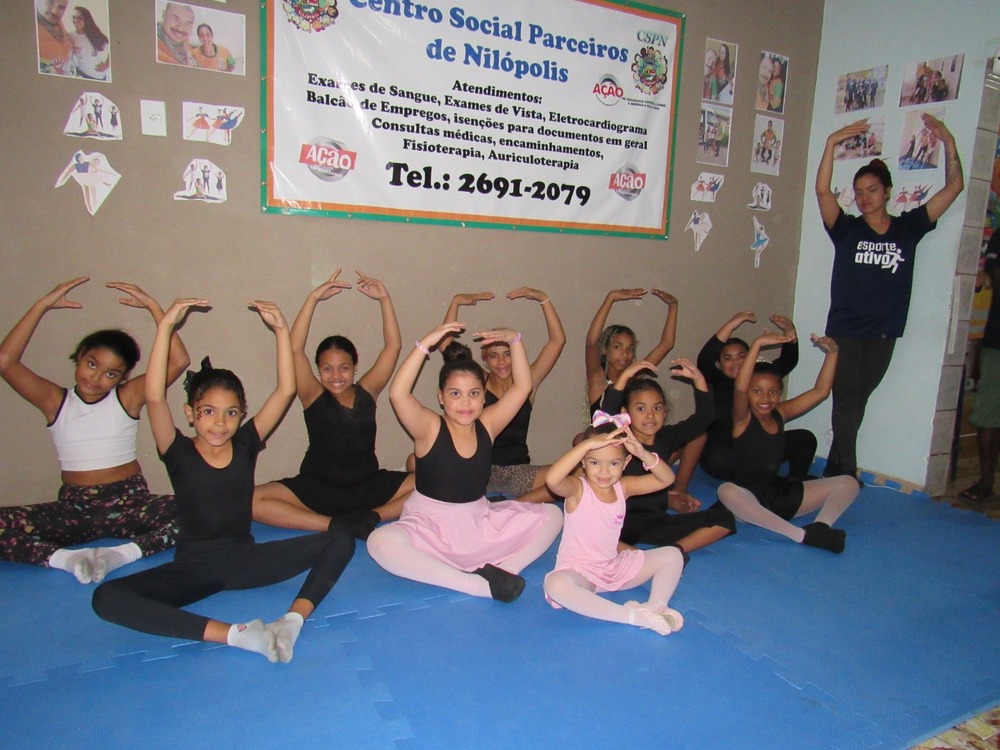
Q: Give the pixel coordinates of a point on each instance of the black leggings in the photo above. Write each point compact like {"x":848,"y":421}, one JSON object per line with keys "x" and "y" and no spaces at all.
{"x":150,"y":601}
{"x":800,"y":450}
{"x":861,"y":365}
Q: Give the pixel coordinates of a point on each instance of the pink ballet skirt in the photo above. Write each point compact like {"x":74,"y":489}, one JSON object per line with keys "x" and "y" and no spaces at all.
{"x":589,"y":544}
{"x":469,"y":535}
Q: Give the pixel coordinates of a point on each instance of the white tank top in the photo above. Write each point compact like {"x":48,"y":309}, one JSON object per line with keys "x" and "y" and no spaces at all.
{"x":93,"y":436}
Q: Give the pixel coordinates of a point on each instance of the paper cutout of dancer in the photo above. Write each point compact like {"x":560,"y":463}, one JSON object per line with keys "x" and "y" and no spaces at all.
{"x":845,"y":197}
{"x":760,"y":197}
{"x":760,"y":241}
{"x":211,"y":123}
{"x":87,"y":118}
{"x":94,"y":175}
{"x":700,"y":224}
{"x":706,"y":187}
{"x":203,"y":181}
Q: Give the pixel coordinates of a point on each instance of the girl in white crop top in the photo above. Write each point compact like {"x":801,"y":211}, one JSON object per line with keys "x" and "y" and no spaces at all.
{"x":93,"y":425}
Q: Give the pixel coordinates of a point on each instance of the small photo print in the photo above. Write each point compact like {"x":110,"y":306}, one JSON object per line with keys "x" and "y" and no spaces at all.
{"x":713,"y":135}
{"x":866,"y":145}
{"x":931,"y":80}
{"x":706,"y":187}
{"x":203,"y":181}
{"x":73,"y":39}
{"x":94,"y":116}
{"x":201,"y":38}
{"x":768,"y":132}
{"x":919,"y":147}
{"x":862,"y":89}
{"x":719,"y":83}
{"x":772,"y":79}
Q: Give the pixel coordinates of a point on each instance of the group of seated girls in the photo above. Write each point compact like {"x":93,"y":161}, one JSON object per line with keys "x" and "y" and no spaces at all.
{"x":473,"y":443}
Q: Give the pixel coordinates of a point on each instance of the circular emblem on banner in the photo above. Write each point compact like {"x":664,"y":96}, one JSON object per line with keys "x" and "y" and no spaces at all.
{"x":331,"y":161}
{"x":649,"y":70}
{"x":628,"y":182}
{"x":311,"y":15}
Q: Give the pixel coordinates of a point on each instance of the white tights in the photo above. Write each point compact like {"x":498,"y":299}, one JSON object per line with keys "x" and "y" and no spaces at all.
{"x":569,"y":589}
{"x":832,"y":495}
{"x":392,"y":548}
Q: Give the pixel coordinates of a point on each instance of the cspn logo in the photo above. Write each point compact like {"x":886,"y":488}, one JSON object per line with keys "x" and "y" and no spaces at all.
{"x":653,"y":37}
{"x":608,"y":92}
{"x":628,"y":182}
{"x":327,"y":159}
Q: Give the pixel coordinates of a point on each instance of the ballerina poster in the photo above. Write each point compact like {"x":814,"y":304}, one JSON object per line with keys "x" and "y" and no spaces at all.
{"x":94,"y":116}
{"x":211,"y":123}
{"x":203,"y":181}
{"x":94,"y":176}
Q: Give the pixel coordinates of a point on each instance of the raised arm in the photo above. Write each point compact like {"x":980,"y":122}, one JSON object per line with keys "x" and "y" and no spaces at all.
{"x":379,"y":374}
{"x":592,"y":348}
{"x":277,"y":403}
{"x":789,"y":357}
{"x":161,"y":421}
{"x":559,"y":477}
{"x":498,"y":415}
{"x":417,"y":419}
{"x":307,"y":385}
{"x":553,"y":347}
{"x":659,"y":475}
{"x":41,"y":393}
{"x":802,"y":403}
{"x":741,"y":386}
{"x":829,"y":208}
{"x":466,"y":299}
{"x":669,"y":334}
{"x":133,"y":391}
{"x":954,"y":182}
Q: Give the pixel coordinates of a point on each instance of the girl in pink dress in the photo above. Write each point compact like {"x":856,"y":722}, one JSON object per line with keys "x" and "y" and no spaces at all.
{"x":589,"y":560}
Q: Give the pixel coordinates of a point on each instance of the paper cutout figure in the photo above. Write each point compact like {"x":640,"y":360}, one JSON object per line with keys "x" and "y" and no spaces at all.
{"x":845,"y":197}
{"x":211,"y":123}
{"x":203,"y":181}
{"x":706,"y":187}
{"x":760,"y":197}
{"x":94,"y":116}
{"x":94,"y":176}
{"x":700,"y":225}
{"x":760,"y":241}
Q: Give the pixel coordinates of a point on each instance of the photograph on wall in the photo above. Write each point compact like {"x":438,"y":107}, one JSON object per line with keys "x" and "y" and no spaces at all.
{"x":934,"y":80}
{"x":73,"y":39}
{"x":94,"y":116}
{"x":700,"y":224}
{"x":768,"y":133}
{"x":202,"y":38}
{"x":720,"y":71}
{"x":713,"y":135}
{"x":865,"y":145}
{"x":203,"y":181}
{"x":211,"y":123}
{"x":760,"y":197}
{"x":909,"y":196}
{"x":760,"y":241}
{"x":706,"y":187}
{"x":862,"y":89}
{"x":772,"y":81}
{"x":919,"y":147}
{"x":94,"y":175}
{"x":561,"y":117}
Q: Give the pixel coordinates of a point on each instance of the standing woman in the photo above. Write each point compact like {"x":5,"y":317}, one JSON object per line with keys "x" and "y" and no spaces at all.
{"x":210,"y":55}
{"x":91,"y":47}
{"x":870,"y":292}
{"x":512,"y":473}
{"x":339,"y":481}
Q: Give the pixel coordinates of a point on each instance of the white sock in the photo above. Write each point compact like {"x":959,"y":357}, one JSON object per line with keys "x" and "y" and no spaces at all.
{"x":253,"y":636}
{"x":286,"y":631}
{"x":107,"y":559}
{"x":79,"y":562}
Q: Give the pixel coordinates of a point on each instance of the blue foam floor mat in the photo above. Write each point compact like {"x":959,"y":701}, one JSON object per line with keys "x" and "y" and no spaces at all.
{"x":783,"y":647}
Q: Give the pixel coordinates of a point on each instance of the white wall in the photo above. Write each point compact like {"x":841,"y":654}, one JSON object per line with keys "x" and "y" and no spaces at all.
{"x":896,"y":435}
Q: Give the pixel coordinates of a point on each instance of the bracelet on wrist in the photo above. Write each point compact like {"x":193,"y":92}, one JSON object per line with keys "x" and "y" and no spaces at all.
{"x":424,"y":349}
{"x":650,"y":467}
{"x":516,"y":338}
{"x":545,"y":301}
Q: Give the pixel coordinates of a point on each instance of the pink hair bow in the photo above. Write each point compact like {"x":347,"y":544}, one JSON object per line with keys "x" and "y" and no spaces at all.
{"x":619,"y":420}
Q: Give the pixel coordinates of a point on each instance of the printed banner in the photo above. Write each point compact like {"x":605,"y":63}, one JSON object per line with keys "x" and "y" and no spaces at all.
{"x":551,"y":116}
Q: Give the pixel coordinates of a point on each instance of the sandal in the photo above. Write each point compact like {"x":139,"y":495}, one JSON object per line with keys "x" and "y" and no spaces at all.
{"x":977,"y":493}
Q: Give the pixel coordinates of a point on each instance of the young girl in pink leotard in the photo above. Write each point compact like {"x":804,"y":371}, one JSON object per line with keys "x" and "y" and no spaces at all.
{"x":588,"y":561}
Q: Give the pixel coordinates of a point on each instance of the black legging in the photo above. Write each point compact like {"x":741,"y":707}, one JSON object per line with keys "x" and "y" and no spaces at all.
{"x":800,"y":450}
{"x":150,"y":601}
{"x":861,"y":365}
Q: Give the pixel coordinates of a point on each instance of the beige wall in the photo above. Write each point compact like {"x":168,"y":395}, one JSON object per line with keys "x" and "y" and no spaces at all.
{"x":232,"y":251}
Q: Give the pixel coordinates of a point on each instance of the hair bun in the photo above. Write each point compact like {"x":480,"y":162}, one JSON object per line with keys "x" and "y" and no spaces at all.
{"x":456,"y":351}
{"x":206,"y":364}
